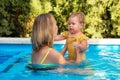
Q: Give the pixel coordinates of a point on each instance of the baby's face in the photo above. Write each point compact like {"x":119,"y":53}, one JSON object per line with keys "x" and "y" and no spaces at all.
{"x":74,"y":25}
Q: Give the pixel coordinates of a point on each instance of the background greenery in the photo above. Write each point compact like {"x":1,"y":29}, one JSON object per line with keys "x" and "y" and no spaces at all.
{"x":102,"y":16}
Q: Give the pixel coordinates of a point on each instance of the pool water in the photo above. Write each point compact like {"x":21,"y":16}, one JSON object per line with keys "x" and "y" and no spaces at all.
{"x":102,"y":63}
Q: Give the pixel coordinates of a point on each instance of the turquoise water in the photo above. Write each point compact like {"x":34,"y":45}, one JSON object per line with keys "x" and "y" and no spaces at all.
{"x":102,"y":63}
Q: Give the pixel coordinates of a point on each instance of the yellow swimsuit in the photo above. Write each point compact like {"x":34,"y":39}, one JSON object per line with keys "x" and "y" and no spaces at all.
{"x":70,"y":48}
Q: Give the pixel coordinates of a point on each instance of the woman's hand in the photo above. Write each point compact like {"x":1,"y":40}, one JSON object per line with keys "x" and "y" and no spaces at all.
{"x":78,"y":46}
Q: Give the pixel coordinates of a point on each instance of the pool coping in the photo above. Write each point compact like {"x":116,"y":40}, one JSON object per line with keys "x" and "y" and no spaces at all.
{"x":10,"y":40}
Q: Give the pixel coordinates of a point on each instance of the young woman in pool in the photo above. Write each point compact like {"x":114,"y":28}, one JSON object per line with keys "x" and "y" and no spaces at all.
{"x":43,"y":33}
{"x":74,"y":37}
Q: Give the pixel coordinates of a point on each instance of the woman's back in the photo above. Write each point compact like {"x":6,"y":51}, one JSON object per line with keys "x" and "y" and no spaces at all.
{"x":47,"y":55}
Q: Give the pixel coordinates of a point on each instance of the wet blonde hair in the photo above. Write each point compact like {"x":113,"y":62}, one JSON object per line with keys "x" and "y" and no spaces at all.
{"x":42,"y":32}
{"x":80,"y":16}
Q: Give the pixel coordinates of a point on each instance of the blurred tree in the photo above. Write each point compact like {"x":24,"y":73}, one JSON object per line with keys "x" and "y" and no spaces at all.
{"x":13,"y":17}
{"x":102,"y":16}
{"x":99,"y":18}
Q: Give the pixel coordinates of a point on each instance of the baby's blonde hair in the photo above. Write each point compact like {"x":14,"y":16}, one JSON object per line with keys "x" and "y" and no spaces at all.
{"x":80,"y":16}
{"x":42,"y":32}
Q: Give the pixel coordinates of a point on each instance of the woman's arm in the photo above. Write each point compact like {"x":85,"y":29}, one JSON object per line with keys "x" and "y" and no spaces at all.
{"x":80,"y":49}
{"x":56,"y":57}
{"x":64,"y":49}
{"x":81,"y":46}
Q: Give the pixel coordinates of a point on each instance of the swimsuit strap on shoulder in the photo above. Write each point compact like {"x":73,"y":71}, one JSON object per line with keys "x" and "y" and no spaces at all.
{"x":45,"y":56}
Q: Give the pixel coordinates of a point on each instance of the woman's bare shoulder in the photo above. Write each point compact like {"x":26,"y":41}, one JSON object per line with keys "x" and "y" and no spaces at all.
{"x":54,"y":52}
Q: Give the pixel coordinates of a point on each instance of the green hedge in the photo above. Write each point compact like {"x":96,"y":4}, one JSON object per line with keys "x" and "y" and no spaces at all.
{"x":102,"y":16}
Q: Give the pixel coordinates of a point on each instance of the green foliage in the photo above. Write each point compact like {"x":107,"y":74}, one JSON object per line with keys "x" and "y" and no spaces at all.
{"x":115,"y":18}
{"x":100,"y":19}
{"x":14,"y":14}
{"x":102,"y":16}
{"x":63,"y":8}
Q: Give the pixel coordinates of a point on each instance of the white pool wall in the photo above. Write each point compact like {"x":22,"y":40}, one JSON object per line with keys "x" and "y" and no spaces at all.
{"x":28,"y":41}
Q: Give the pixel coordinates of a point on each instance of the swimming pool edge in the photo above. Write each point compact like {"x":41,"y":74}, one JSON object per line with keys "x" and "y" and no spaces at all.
{"x":28,"y":41}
